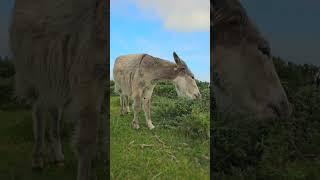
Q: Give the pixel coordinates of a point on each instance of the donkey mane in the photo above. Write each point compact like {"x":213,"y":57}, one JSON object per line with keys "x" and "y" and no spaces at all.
{"x":226,"y":11}
{"x":232,"y":26}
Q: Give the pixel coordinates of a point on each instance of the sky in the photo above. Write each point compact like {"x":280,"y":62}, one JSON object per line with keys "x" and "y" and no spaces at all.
{"x":291,"y":26}
{"x":5,"y":15}
{"x":160,"y":27}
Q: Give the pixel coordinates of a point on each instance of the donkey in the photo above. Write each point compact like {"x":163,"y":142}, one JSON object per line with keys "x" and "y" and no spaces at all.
{"x":59,"y":56}
{"x":136,"y":76}
{"x":247,"y":81}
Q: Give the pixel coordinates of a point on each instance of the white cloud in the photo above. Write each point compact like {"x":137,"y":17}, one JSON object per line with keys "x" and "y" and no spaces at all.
{"x":179,"y":15}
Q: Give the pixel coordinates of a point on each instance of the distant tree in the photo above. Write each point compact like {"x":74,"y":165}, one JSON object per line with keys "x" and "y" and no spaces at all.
{"x":6,"y":67}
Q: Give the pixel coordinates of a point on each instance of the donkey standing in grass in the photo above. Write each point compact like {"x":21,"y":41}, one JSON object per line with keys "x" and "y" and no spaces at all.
{"x":59,"y":50}
{"x":136,"y":76}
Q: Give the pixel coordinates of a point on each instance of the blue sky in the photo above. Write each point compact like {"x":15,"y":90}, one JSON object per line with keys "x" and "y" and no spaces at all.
{"x":159,"y":27}
{"x":138,"y":28}
{"x":6,"y":7}
{"x":291,"y":26}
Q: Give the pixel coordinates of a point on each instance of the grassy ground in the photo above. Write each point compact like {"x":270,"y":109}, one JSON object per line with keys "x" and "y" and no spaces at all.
{"x":163,"y":153}
{"x":16,"y":144}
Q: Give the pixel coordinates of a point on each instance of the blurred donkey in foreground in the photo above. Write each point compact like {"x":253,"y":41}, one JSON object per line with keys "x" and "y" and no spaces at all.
{"x":246,"y":80}
{"x":59,"y":56}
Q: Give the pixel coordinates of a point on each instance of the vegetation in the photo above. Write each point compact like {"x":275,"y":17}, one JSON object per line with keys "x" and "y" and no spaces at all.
{"x":16,"y":138}
{"x":282,"y":149}
{"x":178,"y":148}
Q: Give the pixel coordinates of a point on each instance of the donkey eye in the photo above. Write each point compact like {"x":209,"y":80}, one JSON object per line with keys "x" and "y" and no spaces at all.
{"x":192,"y":77}
{"x":265,"y":51}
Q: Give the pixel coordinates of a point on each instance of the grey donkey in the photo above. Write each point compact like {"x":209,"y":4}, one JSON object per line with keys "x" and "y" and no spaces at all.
{"x":136,"y":75}
{"x":59,"y":51}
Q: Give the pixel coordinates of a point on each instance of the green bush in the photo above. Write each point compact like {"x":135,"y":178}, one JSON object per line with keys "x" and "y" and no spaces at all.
{"x":191,"y":117}
{"x":165,"y":89}
{"x":279,"y":149}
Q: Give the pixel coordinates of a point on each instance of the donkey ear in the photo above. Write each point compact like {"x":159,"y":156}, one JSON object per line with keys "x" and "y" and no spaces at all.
{"x":176,"y":58}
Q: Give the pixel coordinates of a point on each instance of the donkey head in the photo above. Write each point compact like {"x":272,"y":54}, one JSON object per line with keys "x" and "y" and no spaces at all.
{"x":247,"y":79}
{"x":184,"y":81}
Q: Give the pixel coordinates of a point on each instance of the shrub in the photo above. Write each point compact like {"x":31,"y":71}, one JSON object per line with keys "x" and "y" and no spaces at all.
{"x":191,"y":117}
{"x":280,"y":149}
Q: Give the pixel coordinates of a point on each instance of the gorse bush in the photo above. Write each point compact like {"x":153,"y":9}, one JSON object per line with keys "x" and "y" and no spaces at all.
{"x":112,"y":93}
{"x":8,"y":101}
{"x":6,"y":68}
{"x":6,"y":82}
{"x":6,"y":90}
{"x":279,"y":149}
{"x":190,"y":116}
{"x":165,"y":89}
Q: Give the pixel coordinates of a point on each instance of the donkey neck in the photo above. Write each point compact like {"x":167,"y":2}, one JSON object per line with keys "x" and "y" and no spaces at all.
{"x":160,"y":69}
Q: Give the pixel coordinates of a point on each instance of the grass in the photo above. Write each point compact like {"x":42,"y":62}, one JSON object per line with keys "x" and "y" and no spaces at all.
{"x":16,"y":145}
{"x":163,"y":153}
{"x":178,"y":148}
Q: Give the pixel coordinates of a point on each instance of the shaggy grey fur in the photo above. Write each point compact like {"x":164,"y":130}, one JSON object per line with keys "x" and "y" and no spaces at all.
{"x":58,"y":52}
{"x":245,"y":78}
{"x":136,"y":75}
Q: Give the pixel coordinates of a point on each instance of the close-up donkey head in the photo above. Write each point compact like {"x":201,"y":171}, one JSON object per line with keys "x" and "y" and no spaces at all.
{"x":247,"y":79}
{"x":185,"y":82}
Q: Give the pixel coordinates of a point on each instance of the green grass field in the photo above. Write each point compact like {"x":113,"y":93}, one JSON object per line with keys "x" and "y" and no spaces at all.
{"x":178,"y":148}
{"x":166,"y":152}
{"x":16,"y":145}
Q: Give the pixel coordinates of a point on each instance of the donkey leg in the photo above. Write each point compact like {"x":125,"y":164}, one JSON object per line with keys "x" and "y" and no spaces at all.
{"x":54,"y":137}
{"x":89,"y":108}
{"x":86,"y":142}
{"x":39,"y":133}
{"x":127,"y":103}
{"x":123,"y":104}
{"x":146,"y":107}
{"x":136,"y":110}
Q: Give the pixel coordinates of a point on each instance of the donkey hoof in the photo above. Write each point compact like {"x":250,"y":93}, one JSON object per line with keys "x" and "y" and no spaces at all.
{"x":135,"y":125}
{"x":37,"y":165}
{"x":150,"y":126}
{"x":59,"y":163}
{"x":37,"y":169}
